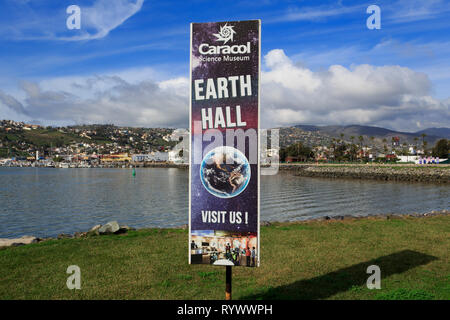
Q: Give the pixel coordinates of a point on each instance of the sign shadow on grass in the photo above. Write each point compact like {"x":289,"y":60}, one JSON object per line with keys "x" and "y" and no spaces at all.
{"x":344,"y":279}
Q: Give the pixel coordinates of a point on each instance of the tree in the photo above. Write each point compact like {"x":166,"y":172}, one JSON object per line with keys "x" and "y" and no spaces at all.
{"x":404,"y":151}
{"x":298,"y":150}
{"x":423,"y":139}
{"x":361,"y":140}
{"x":339,"y":152}
{"x":441,"y":148}
{"x":353,"y":151}
{"x":282,"y":154}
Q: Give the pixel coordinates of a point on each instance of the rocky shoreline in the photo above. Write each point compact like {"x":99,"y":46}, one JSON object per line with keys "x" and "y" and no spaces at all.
{"x":433,"y":174}
{"x":389,"y":216}
{"x":109,"y":228}
{"x":113,"y":227}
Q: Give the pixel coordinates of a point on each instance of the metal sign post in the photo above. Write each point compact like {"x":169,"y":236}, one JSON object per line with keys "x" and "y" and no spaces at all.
{"x":228,"y":283}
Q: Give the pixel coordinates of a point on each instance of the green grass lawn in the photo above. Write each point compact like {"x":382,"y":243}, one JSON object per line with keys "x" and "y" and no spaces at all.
{"x":313,"y":260}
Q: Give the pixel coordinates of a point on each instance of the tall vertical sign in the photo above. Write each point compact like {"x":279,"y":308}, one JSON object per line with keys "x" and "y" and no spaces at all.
{"x":224,"y":143}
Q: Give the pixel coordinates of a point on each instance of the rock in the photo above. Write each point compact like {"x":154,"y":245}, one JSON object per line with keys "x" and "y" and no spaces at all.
{"x":265,"y":223}
{"x":109,"y":228}
{"x":95,"y":228}
{"x":123,"y":229}
{"x":132,"y":229}
{"x":79,"y":234}
{"x":64,"y":236}
{"x":17,"y":242}
{"x":438,"y":175}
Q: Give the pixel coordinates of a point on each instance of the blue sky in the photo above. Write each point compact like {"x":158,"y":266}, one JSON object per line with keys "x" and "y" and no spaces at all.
{"x":128,"y":47}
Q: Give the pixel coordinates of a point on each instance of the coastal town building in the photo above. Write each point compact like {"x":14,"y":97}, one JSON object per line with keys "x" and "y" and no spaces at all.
{"x":151,"y":157}
{"x":174,"y":157}
{"x":114,"y":158}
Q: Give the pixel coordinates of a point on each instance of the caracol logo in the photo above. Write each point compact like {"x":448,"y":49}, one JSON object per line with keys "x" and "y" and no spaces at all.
{"x":225,"y":34}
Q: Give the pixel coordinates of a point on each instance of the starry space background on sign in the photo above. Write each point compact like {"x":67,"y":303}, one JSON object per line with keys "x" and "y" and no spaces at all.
{"x":201,"y":199}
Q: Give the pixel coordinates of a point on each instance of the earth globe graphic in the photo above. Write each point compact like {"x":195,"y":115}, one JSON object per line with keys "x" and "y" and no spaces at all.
{"x":225,"y":172}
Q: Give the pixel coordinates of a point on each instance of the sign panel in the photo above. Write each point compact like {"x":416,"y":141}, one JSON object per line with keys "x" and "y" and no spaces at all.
{"x":224,"y":143}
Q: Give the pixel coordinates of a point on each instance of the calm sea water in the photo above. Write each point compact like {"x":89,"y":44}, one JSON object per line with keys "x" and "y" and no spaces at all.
{"x":45,"y":202}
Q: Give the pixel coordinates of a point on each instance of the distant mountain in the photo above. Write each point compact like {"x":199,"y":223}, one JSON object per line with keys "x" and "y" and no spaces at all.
{"x":350,"y":130}
{"x":439,"y":132}
{"x":432,"y":134}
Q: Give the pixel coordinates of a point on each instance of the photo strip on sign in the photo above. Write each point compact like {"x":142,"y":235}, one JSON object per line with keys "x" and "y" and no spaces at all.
{"x":224,"y":143}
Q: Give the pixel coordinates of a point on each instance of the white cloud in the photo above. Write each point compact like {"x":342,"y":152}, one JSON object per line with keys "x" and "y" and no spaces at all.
{"x":97,"y":20}
{"x":431,"y":58}
{"x":313,"y":13}
{"x":12,"y":103}
{"x":104,"y":16}
{"x":105,"y":99}
{"x":414,"y":10}
{"x":391,"y":96}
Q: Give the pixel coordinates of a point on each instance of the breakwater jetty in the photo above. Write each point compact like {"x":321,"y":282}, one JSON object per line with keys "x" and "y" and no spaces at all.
{"x":408,"y":173}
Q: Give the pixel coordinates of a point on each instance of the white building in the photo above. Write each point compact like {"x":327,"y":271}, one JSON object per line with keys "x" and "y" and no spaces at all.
{"x":420,"y":159}
{"x":404,"y":159}
{"x":174,"y":156}
{"x":154,"y":156}
{"x":160,"y":156}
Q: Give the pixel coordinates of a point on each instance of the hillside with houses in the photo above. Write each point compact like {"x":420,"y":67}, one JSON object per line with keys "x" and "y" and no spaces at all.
{"x":86,"y":145}
{"x":108,"y":145}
